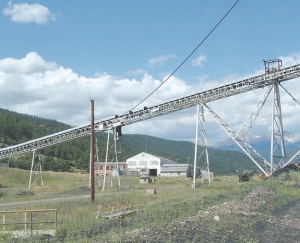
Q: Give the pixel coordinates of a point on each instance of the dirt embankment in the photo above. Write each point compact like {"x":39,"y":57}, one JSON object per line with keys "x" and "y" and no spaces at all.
{"x":243,"y":220}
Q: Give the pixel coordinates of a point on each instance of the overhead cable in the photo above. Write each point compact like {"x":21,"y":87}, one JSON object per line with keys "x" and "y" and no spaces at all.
{"x":187,"y":56}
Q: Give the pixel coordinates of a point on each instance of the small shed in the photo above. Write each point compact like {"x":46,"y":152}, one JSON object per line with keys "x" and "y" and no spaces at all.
{"x":206,"y":175}
{"x":144,"y":179}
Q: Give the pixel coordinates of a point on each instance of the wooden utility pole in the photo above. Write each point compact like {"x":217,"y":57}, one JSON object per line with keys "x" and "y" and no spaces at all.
{"x":92,"y":154}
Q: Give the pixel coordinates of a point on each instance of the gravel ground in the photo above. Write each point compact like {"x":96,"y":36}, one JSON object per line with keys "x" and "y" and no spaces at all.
{"x":244,"y":220}
{"x":284,"y":226}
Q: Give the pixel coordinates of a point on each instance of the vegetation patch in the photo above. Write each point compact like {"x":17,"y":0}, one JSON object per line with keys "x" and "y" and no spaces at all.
{"x":2,"y":194}
{"x":226,"y":211}
{"x":75,"y":154}
{"x":25,"y":193}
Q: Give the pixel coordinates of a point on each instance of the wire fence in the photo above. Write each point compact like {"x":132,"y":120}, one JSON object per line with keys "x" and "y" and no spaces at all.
{"x":4,"y":164}
{"x":25,"y":221}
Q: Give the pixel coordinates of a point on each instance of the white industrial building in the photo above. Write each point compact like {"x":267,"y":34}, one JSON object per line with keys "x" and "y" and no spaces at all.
{"x":184,"y":170}
{"x":152,"y":165}
{"x":145,"y":163}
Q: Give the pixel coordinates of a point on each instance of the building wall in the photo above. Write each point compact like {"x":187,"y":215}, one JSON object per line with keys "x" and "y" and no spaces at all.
{"x":99,"y":167}
{"x":143,"y":161}
{"x":170,"y":174}
{"x":176,"y":170}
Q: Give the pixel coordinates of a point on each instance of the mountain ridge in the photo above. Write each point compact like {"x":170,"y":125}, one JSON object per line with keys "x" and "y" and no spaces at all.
{"x":17,"y":128}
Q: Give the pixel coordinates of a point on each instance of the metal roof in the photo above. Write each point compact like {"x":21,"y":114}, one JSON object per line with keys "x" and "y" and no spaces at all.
{"x":169,"y":168}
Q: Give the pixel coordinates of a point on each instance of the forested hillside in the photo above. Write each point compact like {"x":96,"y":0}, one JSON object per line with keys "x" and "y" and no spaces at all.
{"x":221,"y":161}
{"x":20,"y":127}
{"x":16,"y":128}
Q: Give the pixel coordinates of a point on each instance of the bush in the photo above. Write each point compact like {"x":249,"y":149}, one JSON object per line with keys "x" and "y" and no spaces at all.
{"x":2,"y":194}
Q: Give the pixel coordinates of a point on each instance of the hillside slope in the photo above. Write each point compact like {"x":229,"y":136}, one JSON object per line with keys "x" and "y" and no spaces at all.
{"x":16,"y":128}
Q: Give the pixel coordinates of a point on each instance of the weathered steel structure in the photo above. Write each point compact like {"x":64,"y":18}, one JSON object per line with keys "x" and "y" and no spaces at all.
{"x":272,"y":79}
{"x":246,"y":176}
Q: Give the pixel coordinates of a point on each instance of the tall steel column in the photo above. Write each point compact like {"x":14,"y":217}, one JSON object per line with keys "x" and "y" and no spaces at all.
{"x":38,"y":169}
{"x":92,"y":154}
{"x":196,"y":149}
{"x":117,"y":149}
{"x":106,"y":157}
{"x":97,"y":178}
{"x":200,"y":132}
{"x":277,"y":157}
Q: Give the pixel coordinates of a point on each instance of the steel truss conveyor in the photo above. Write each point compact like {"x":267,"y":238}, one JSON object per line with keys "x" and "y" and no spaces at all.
{"x":131,"y":117}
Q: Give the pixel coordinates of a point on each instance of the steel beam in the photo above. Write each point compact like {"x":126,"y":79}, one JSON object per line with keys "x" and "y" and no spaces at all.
{"x":260,"y":161}
{"x":242,"y":86}
{"x":248,"y":124}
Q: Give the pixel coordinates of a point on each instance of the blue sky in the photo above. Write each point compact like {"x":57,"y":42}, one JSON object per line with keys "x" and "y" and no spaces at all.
{"x":56,"y":55}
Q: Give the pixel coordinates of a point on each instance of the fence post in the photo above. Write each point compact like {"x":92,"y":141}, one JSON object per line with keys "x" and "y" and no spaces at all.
{"x":56,"y":219}
{"x":3,"y":216}
{"x":31,"y":223}
{"x":25,"y":226}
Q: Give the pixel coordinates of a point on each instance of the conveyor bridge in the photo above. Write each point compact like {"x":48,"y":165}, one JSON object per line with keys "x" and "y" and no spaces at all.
{"x":235,"y":88}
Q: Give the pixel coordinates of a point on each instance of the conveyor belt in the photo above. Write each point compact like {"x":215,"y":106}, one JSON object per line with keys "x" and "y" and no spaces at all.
{"x":210,"y":95}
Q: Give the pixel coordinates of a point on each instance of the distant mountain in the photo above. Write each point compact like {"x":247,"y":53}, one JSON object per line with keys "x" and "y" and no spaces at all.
{"x":262,"y":144}
{"x":291,"y":138}
{"x":228,"y":144}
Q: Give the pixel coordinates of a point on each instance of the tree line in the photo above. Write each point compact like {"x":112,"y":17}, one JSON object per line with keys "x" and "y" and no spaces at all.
{"x":75,"y":154}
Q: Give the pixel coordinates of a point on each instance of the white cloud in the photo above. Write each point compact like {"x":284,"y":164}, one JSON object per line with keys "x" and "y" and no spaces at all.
{"x":28,"y":13}
{"x":199,"y":61}
{"x":34,"y":86}
{"x":160,"y":60}
{"x":32,"y":63}
{"x":292,"y":59}
{"x":137,"y":71}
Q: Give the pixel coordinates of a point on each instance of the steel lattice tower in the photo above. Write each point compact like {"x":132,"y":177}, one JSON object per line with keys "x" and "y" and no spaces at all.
{"x":200,"y":133}
{"x":277,"y":158}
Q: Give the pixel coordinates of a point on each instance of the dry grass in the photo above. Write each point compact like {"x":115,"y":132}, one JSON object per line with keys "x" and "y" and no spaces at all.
{"x":175,"y":201}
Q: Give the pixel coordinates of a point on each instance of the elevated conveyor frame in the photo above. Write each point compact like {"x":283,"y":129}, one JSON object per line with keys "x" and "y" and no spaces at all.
{"x":238,"y":87}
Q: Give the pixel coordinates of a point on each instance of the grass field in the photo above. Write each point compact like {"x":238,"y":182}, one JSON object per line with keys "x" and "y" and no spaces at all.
{"x":175,"y":201}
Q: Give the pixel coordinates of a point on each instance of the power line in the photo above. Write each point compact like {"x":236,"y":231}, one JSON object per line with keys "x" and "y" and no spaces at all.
{"x":187,"y":56}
